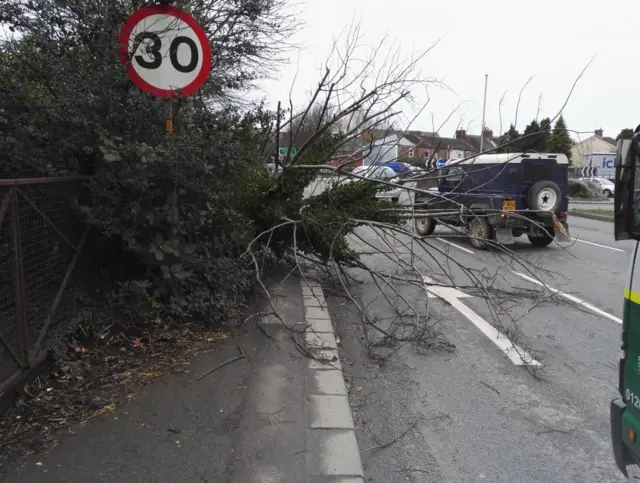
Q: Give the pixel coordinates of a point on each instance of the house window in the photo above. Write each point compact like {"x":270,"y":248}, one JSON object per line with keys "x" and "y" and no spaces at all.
{"x":411,"y":153}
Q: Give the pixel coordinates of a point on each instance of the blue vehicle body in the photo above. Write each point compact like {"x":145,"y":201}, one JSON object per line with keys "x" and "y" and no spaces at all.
{"x":502,"y":189}
{"x":397,"y":166}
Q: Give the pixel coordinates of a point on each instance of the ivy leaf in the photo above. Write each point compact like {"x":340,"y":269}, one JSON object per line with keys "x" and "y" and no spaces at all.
{"x":178,"y":272}
{"x":112,"y":157}
{"x":158,"y":253}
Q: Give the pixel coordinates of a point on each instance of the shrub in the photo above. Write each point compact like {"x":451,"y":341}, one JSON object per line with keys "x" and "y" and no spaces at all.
{"x":582,"y":189}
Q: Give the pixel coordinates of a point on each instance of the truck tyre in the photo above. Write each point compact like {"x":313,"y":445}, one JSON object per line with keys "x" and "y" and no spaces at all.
{"x":545,"y":239}
{"x":544,"y":195}
{"x":479,"y":232}
{"x":425,"y":226}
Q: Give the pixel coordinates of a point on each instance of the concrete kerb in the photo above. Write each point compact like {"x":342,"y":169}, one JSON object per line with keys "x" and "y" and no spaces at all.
{"x":333,"y":454}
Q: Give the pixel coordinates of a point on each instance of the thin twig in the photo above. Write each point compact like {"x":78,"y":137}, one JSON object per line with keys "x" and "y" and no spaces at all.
{"x":241,"y":356}
{"x":395,"y":440}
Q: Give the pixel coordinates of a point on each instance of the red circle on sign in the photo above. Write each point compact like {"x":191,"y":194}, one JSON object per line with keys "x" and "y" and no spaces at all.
{"x":139,"y":15}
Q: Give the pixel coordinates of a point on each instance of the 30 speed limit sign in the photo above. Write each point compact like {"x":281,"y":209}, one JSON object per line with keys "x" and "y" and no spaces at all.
{"x":166,"y":52}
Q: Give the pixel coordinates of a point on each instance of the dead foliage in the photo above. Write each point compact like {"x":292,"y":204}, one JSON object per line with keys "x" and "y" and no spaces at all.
{"x":104,"y":363}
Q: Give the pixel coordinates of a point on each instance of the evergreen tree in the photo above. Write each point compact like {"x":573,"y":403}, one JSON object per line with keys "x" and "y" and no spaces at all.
{"x":560,"y":141}
{"x":626,"y":133}
{"x":530,"y":135}
{"x":511,"y":137}
{"x":545,"y":132}
{"x":536,"y":142}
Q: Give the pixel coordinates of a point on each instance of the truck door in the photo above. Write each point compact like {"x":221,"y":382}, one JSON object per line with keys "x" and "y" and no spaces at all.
{"x":450,"y":187}
{"x":630,"y":364}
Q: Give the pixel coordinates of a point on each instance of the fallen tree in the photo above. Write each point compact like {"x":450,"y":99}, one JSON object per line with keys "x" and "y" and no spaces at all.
{"x":184,"y":226}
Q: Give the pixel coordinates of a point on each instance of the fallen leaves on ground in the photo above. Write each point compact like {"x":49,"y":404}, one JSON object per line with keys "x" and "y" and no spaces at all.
{"x":93,"y":376}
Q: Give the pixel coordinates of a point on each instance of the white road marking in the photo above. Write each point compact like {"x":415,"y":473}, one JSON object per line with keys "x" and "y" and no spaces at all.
{"x":455,"y":245}
{"x":598,"y":245}
{"x":446,"y":292}
{"x":452,"y":295}
{"x":573,"y":299}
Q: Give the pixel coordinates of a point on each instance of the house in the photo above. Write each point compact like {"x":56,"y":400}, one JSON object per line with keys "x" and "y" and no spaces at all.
{"x":350,"y":154}
{"x":399,"y":145}
{"x":598,"y":143}
{"x":416,"y":147}
{"x":473,"y":141}
{"x":435,"y":148}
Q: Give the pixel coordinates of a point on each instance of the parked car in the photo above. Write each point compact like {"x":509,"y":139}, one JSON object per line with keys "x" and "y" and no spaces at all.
{"x":383,"y":173}
{"x":414,"y":172}
{"x":582,"y":189}
{"x":605,"y":186}
{"x":273,"y":168}
{"x":499,"y":197}
{"x":397,"y":166}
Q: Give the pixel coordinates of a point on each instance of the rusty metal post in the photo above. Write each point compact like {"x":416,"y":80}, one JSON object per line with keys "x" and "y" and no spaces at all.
{"x":18,"y":276}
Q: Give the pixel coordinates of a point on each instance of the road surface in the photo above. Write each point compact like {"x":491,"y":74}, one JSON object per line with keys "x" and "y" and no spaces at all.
{"x":477,"y":413}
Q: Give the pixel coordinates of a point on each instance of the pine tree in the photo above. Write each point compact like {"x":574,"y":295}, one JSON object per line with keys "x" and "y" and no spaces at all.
{"x":626,"y":133}
{"x":536,"y":142}
{"x":560,"y":141}
{"x":530,"y":137}
{"x":511,"y":136}
{"x":545,"y":132}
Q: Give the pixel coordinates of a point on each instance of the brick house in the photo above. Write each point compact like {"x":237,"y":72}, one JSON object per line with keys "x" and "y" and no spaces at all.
{"x":473,"y":141}
{"x":416,"y":147}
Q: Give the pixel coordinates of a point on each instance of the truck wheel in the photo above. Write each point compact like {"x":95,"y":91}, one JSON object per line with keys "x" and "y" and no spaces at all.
{"x":544,"y":195}
{"x":479,"y":232}
{"x":545,"y":239}
{"x":425,"y":226}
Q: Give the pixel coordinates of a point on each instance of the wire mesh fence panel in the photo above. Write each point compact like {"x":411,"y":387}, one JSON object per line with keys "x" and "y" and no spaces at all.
{"x":40,"y":242}
{"x":10,"y":348}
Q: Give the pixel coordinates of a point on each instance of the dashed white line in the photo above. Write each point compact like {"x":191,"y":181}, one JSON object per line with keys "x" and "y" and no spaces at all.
{"x":452,"y":296}
{"x":598,"y":245}
{"x":573,"y":299}
{"x":455,"y":245}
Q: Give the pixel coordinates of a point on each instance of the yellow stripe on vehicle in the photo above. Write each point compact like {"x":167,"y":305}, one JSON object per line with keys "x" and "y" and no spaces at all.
{"x":632,"y":296}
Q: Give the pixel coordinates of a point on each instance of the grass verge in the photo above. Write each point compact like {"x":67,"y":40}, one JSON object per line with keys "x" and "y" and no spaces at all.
{"x":600,"y":212}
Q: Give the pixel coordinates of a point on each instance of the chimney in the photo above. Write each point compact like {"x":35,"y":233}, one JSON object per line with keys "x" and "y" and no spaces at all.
{"x":599,"y":132}
{"x":461,"y":134}
{"x":488,"y":133}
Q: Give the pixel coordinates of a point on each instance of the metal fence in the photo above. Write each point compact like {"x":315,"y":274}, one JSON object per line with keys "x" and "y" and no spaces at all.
{"x":40,"y":244}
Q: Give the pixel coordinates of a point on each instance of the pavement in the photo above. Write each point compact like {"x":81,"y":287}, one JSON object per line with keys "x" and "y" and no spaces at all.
{"x":273,"y":416}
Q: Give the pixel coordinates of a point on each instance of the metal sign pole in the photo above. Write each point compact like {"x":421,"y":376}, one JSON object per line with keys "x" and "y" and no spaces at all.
{"x":484,"y":109}
{"x":169,"y":120}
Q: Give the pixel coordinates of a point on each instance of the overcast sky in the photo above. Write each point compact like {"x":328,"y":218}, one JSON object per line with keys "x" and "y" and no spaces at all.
{"x":551,"y":40}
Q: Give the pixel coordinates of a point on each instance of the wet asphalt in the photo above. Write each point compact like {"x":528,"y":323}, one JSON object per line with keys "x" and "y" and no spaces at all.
{"x":470,"y":414}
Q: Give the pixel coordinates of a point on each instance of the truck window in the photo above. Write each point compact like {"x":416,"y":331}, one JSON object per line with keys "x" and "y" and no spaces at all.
{"x":452,"y":177}
{"x":533,"y":172}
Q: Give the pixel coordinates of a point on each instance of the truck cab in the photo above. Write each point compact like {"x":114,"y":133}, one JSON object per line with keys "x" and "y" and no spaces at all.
{"x":625,"y":409}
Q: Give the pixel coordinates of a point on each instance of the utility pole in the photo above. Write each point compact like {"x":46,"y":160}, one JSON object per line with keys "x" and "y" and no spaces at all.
{"x":484,"y":108}
{"x":278,"y":138}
